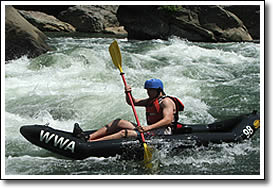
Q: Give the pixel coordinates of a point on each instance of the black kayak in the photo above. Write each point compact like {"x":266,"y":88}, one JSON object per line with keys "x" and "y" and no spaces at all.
{"x":64,"y":143}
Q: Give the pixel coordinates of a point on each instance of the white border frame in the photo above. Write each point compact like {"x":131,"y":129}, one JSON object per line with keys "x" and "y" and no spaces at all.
{"x":262,"y":89}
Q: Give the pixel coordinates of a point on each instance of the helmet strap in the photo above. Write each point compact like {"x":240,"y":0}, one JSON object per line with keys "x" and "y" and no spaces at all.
{"x":158,"y":92}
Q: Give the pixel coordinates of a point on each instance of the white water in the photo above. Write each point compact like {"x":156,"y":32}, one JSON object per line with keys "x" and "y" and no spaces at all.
{"x":79,"y":83}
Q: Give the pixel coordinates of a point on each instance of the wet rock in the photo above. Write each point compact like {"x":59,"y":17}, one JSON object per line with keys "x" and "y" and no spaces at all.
{"x":93,"y":19}
{"x":21,"y":37}
{"x":250,"y":16}
{"x":225,"y":25}
{"x":46,"y":22}
{"x":118,"y":31}
{"x":194,"y":23}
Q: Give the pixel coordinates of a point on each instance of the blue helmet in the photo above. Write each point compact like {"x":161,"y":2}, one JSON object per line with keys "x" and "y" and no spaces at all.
{"x":153,"y":83}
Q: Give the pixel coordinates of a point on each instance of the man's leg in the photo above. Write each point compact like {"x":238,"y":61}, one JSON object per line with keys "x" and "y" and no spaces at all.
{"x":111,"y":128}
{"x":124,"y":133}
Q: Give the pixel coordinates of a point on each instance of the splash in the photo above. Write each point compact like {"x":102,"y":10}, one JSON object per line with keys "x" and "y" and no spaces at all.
{"x":79,"y":83}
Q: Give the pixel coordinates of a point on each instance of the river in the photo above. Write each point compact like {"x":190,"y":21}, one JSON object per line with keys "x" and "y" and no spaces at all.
{"x":77,"y":82}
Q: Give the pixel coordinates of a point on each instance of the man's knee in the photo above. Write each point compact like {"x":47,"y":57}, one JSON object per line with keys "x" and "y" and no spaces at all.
{"x":113,"y":124}
{"x":123,"y":122}
{"x":116,"y":122}
{"x":123,"y":133}
{"x":120,"y":124}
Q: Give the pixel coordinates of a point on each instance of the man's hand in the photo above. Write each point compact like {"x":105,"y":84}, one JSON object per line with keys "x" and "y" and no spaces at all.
{"x":142,"y":129}
{"x":128,"y":89}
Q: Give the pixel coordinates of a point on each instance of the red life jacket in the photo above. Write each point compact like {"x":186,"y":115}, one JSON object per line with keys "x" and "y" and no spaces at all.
{"x":154,"y":111}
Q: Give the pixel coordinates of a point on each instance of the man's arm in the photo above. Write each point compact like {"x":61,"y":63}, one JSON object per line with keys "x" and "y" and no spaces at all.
{"x":137,"y":102}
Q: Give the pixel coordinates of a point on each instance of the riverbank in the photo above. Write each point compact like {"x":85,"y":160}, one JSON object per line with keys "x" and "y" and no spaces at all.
{"x":207,"y":23}
{"x":101,"y":35}
{"x":85,"y":35}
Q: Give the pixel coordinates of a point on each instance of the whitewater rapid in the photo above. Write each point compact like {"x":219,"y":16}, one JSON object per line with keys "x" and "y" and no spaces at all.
{"x":79,"y":83}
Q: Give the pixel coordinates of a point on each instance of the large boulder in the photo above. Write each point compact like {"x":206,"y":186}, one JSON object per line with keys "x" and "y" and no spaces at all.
{"x":53,"y":10}
{"x":194,"y":23}
{"x":46,"y":22}
{"x":91,"y":19}
{"x":22,"y":38}
{"x":225,"y":25}
{"x":143,"y":22}
{"x":250,"y":15}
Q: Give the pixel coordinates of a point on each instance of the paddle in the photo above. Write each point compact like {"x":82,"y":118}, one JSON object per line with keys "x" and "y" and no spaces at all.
{"x":117,"y":60}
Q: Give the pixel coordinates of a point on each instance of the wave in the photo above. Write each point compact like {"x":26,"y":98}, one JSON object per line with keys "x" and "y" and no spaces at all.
{"x":79,"y":83}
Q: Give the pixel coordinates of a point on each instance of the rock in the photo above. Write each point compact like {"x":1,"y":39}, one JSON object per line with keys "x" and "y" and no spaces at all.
{"x":250,"y":16}
{"x":116,"y":31}
{"x":93,"y":19}
{"x":53,"y":10}
{"x":46,"y":22}
{"x":22,"y":38}
{"x":185,"y":24}
{"x":194,"y":23}
{"x":225,"y":25}
{"x":142,"y":22}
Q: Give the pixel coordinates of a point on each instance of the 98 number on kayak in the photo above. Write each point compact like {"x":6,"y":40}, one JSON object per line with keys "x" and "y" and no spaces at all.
{"x":248,"y":131}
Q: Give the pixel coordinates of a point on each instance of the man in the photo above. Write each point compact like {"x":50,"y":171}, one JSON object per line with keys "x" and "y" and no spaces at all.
{"x":161,"y":115}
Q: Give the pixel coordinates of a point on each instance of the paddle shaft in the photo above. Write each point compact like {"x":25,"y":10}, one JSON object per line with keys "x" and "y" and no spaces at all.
{"x":132,"y":104}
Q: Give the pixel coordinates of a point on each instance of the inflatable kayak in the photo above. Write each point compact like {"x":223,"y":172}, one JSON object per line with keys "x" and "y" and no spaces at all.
{"x":64,"y":143}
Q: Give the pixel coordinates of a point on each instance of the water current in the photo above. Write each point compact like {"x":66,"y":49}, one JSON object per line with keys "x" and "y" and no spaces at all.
{"x":77,"y":82}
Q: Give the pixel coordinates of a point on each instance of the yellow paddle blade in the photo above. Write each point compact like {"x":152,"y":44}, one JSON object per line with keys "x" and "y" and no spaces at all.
{"x":147,"y":156}
{"x":116,"y":55}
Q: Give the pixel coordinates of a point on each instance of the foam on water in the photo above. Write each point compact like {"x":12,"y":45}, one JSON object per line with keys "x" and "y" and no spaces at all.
{"x":79,"y":83}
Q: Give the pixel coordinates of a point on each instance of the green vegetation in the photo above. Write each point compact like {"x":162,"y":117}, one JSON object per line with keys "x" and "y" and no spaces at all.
{"x":171,"y":8}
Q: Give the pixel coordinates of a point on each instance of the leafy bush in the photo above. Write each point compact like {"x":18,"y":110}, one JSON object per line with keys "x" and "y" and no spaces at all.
{"x":171,"y":8}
